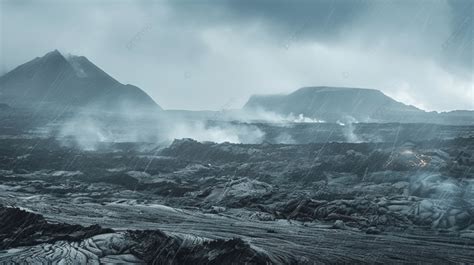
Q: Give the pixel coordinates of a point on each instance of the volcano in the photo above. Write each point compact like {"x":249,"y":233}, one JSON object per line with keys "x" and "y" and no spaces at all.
{"x":55,"y":80}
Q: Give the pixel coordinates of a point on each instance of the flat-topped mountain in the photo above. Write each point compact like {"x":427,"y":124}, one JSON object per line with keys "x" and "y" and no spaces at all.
{"x":331,"y":103}
{"x":58,"y":80}
{"x":342,"y":103}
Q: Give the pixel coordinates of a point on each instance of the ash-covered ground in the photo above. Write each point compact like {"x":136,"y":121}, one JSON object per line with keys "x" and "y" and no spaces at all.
{"x":401,"y":193}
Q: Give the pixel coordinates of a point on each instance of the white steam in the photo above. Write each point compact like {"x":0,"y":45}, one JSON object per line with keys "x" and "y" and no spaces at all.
{"x":348,"y":129}
{"x":88,"y":131}
{"x":200,"y":131}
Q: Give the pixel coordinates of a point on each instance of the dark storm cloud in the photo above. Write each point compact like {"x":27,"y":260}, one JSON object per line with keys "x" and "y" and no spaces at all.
{"x":201,"y":54}
{"x":330,"y":21}
{"x":459,"y":46}
{"x":310,"y":19}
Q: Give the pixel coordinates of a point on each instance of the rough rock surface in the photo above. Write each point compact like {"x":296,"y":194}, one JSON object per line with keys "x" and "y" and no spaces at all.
{"x":22,"y":228}
{"x":29,"y":238}
{"x":283,"y":203}
{"x":154,"y":247}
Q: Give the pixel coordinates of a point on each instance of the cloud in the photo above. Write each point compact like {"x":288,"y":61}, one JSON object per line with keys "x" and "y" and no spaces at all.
{"x":199,"y":54}
{"x":306,"y":19}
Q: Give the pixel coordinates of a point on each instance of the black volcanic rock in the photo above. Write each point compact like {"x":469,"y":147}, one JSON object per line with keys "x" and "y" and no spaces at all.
{"x":190,"y":149}
{"x":157,"y":248}
{"x":335,"y":103}
{"x":22,"y":228}
{"x":73,"y":81}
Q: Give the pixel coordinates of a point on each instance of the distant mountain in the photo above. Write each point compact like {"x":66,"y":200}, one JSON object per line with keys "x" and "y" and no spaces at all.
{"x":357,"y":104}
{"x":56,"y":80}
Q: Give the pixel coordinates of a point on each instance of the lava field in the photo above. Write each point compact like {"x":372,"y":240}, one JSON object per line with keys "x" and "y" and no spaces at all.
{"x":209,"y":203}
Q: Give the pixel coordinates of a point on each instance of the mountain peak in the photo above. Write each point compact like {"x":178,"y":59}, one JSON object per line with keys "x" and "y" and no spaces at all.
{"x":58,"y":80}
{"x":54,"y":55}
{"x":54,"y":52}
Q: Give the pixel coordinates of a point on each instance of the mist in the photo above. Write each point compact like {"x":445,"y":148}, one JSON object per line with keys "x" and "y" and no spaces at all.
{"x":236,"y":132}
{"x":419,"y":53}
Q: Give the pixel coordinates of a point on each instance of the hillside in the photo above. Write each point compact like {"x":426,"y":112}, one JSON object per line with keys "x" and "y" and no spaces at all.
{"x":57,"y":80}
{"x":349,"y":104}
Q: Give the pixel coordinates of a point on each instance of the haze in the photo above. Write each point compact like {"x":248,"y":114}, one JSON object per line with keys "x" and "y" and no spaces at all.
{"x":215,"y":54}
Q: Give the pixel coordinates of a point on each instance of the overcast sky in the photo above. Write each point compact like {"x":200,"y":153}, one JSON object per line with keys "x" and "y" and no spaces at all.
{"x":215,"y":54}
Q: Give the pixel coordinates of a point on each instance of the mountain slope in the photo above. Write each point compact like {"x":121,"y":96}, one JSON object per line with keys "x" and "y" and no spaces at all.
{"x":56,"y":80}
{"x":334,"y":104}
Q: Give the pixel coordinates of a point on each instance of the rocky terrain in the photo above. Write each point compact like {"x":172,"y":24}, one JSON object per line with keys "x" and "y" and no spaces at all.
{"x":207,"y":203}
{"x":91,"y":173}
{"x":80,"y":245}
